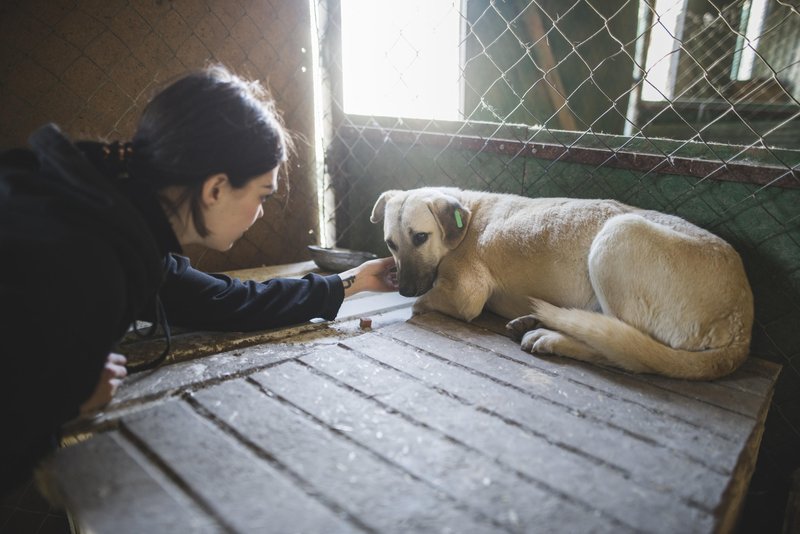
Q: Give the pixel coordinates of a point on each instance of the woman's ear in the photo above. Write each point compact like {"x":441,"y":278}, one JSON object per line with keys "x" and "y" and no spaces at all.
{"x":213,"y":188}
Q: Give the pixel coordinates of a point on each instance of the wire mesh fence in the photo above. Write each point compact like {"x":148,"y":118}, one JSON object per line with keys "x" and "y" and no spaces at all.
{"x":685,"y":106}
{"x":91,"y":67}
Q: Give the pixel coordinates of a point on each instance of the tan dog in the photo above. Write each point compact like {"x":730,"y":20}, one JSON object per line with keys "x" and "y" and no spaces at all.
{"x":595,"y":280}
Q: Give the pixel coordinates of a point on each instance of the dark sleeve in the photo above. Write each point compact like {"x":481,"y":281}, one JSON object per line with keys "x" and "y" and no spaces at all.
{"x":196,"y":299}
{"x":56,"y":330}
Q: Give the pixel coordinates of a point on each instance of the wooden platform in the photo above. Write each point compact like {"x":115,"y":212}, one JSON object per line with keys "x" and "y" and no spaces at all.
{"x":423,"y":424}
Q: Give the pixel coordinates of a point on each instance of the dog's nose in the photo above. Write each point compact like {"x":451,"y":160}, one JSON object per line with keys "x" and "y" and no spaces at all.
{"x":407,"y":291}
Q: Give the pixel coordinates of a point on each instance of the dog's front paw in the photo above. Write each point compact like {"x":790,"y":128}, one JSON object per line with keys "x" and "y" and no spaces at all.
{"x":420,"y":306}
{"x":522,"y":325}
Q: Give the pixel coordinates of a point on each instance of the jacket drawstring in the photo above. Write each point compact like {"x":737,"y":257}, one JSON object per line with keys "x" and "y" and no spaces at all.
{"x":161,"y":319}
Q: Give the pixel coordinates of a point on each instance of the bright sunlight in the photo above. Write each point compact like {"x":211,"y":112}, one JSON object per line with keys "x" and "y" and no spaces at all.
{"x":401,"y":59}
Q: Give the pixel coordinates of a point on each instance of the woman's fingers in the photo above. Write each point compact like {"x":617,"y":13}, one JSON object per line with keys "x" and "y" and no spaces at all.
{"x":110,"y":379}
{"x":116,"y":364}
{"x":118,"y":359}
{"x":390,"y":273}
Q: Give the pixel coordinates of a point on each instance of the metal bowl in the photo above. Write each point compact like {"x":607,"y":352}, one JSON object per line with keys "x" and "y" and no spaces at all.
{"x":338,"y":259}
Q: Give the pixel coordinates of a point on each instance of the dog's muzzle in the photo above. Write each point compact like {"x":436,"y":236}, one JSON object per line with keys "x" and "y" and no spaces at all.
{"x":413,"y":285}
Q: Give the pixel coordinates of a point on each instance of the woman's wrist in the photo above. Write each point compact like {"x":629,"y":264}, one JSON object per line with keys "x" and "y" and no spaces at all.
{"x":349,"y":282}
{"x":374,"y":275}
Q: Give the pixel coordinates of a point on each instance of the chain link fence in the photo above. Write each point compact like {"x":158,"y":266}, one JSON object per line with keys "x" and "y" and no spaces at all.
{"x":91,"y":66}
{"x":689,"y":107}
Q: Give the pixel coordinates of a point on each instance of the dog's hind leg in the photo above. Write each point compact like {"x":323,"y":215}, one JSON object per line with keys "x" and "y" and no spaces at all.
{"x":679,"y":285}
{"x":522,"y":325}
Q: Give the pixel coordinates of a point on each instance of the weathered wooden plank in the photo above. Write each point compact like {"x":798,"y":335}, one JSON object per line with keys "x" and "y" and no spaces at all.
{"x":534,"y":420}
{"x":755,"y":376}
{"x":731,"y":392}
{"x":170,"y":379}
{"x":267,"y":272}
{"x":99,"y":479}
{"x":461,"y":471}
{"x":197,"y":344}
{"x":140,"y":389}
{"x":690,"y":440}
{"x":245,"y":491}
{"x":662,"y":402}
{"x":377,"y":321}
{"x":761,"y":367}
{"x":791,"y":520}
{"x":382,"y":495}
{"x":736,"y":491}
{"x":368,"y":303}
{"x":458,"y":472}
{"x":382,"y":308}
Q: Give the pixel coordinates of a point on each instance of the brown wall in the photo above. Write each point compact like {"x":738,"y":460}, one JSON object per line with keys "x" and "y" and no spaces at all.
{"x":91,"y":65}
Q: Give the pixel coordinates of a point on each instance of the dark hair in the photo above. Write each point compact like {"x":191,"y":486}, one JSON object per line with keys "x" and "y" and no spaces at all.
{"x":207,"y":122}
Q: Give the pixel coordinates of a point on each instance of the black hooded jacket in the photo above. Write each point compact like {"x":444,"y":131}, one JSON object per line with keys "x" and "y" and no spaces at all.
{"x":82,"y":255}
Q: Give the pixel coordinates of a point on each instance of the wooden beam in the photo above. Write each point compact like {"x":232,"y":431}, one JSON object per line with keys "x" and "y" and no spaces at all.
{"x":555,"y":89}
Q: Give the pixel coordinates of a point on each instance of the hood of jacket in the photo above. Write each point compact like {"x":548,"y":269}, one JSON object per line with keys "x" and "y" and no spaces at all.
{"x":78,"y":263}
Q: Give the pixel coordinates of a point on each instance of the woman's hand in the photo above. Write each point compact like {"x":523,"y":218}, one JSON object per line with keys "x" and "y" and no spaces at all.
{"x":374,"y":275}
{"x":110,"y":379}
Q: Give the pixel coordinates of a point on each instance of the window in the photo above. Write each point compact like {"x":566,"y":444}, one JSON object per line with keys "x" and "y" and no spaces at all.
{"x":402,"y":58}
{"x":750,"y":33}
{"x":662,"y":53}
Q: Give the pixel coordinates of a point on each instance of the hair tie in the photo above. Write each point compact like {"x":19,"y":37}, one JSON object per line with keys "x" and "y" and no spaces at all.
{"x":123,"y":151}
{"x":118,"y":156}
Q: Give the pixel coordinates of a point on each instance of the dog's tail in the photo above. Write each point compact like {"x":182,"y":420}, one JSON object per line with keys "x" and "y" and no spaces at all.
{"x":624,"y":346}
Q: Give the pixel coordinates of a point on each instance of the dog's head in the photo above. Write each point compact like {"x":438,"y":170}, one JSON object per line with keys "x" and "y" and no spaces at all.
{"x":420,"y":227}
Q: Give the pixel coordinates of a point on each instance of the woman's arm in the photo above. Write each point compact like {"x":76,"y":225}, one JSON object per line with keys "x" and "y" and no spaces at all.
{"x":196,"y":299}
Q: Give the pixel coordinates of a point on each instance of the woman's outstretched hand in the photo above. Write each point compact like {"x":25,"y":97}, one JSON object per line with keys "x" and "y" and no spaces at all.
{"x":110,"y":379}
{"x":374,"y":275}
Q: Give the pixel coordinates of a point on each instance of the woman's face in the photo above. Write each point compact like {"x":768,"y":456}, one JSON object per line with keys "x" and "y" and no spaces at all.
{"x":235,"y":210}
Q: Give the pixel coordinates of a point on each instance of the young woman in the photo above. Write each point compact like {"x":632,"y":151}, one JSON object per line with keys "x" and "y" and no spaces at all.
{"x":90,"y":241}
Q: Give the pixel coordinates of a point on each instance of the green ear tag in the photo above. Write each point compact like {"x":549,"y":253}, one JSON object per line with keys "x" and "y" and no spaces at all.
{"x":459,"y":222}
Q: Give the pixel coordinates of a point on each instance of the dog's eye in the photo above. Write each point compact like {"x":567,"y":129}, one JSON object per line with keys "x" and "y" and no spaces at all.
{"x":419,"y":238}
{"x":391,"y":245}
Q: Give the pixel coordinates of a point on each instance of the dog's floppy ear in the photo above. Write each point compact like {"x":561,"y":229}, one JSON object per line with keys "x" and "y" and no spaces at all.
{"x":453,"y":219}
{"x":379,"y":208}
